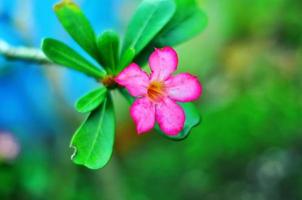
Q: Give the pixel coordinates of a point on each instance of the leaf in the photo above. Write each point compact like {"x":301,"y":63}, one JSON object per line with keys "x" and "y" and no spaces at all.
{"x":108,"y":46}
{"x":62,"y":54}
{"x":192,"y":120}
{"x":187,"y":22}
{"x":93,"y":141}
{"x":91,"y":100}
{"x":150,"y":17}
{"x":142,"y":58}
{"x":126,"y":59}
{"x":77,"y":25}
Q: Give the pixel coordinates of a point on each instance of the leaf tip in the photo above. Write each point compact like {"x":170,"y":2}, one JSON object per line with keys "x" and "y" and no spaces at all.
{"x":44,"y":43}
{"x":63,"y":3}
{"x":77,"y":106}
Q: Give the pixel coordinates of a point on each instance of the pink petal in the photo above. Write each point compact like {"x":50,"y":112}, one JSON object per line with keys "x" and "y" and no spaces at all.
{"x":143,"y":113}
{"x":163,"y":63}
{"x":183,"y":87}
{"x":134,"y":80}
{"x":170,"y":117}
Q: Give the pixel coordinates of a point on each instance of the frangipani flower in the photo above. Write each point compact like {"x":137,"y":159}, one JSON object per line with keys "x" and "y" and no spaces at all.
{"x":158,"y":93}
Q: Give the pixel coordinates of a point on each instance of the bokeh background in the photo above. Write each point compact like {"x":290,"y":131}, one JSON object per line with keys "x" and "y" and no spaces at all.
{"x":248,"y":147}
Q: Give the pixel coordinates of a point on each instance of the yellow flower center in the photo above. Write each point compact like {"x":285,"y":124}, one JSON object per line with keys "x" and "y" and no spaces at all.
{"x":156,"y":91}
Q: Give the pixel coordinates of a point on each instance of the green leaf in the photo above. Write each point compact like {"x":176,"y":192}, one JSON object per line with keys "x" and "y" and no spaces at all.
{"x":150,"y":17}
{"x":187,"y":22}
{"x":93,"y":141}
{"x":77,"y":25}
{"x":108,"y":45}
{"x":144,"y":55}
{"x":126,"y":59}
{"x":62,"y":54}
{"x":192,"y":120}
{"x":91,"y":100}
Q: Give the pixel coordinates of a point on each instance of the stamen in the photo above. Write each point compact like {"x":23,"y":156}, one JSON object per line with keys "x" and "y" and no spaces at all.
{"x":156,"y":91}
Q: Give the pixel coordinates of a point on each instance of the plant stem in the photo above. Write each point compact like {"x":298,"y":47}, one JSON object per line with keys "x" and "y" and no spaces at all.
{"x":22,"y":53}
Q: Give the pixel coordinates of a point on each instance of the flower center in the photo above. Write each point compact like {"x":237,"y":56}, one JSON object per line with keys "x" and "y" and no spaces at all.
{"x":156,"y":91}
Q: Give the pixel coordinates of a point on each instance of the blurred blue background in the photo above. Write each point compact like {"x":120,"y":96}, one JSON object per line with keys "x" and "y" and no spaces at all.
{"x":248,"y":147}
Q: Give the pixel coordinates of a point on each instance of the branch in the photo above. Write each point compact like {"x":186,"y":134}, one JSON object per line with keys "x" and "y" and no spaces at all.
{"x":23,"y":53}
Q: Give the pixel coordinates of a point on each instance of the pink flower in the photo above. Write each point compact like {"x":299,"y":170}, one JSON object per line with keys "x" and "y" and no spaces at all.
{"x":9,"y":146}
{"x":158,"y":93}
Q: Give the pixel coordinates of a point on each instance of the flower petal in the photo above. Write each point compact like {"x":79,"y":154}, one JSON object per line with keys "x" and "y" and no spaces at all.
{"x":143,"y":113}
{"x":170,"y":117}
{"x":134,"y":80}
{"x":183,"y":87}
{"x":163,"y":63}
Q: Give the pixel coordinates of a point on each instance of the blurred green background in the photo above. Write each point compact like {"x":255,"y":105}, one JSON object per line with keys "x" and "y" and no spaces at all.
{"x":248,"y":146}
